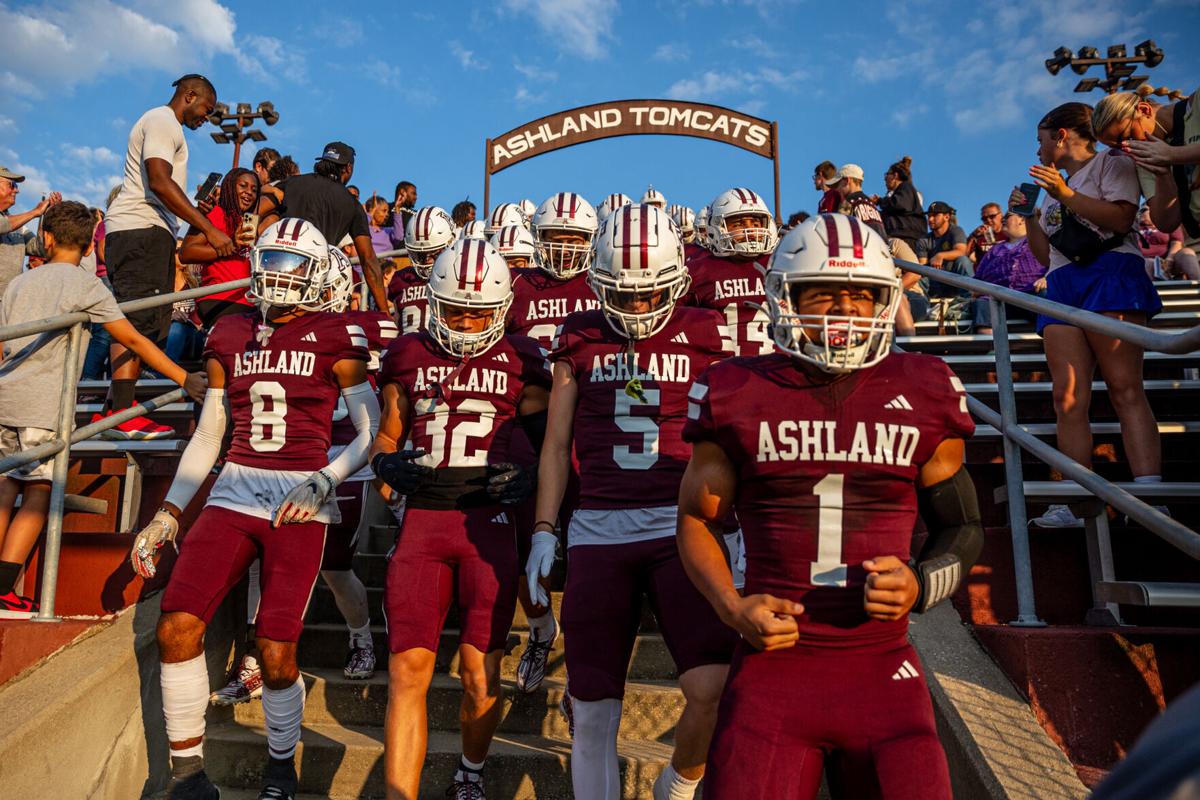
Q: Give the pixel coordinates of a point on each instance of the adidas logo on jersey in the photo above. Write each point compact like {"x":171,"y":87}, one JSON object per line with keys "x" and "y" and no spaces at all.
{"x":905,"y":672}
{"x":308,"y":337}
{"x":898,"y":403}
{"x":680,"y":338}
{"x":502,"y":358}
{"x":502,"y":519}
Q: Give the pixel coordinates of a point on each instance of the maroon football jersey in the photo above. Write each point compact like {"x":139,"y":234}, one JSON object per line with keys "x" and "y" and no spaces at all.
{"x":541,"y":302}
{"x":406,"y":290}
{"x":827,"y":474}
{"x":693,"y":251}
{"x":735,"y":288}
{"x":282,"y":394}
{"x":380,"y":329}
{"x":461,"y":413}
{"x":629,"y":418}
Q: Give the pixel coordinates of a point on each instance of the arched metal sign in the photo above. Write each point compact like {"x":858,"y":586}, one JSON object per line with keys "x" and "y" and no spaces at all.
{"x":630,"y":118}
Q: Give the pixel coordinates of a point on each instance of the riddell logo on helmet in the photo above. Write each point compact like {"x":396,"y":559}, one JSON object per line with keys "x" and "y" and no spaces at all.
{"x":849,"y":263}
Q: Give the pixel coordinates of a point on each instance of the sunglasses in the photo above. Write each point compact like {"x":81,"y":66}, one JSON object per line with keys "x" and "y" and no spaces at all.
{"x":986,"y":217}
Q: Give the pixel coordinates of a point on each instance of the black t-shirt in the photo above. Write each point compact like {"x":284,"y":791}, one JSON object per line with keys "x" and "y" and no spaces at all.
{"x":929,"y":244}
{"x":325,"y":203}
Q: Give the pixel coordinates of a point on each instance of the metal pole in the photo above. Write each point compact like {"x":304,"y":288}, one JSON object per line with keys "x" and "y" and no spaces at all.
{"x":58,"y":485}
{"x":487,"y":176}
{"x":775,"y":158}
{"x":237,"y":149}
{"x":1013,"y":474}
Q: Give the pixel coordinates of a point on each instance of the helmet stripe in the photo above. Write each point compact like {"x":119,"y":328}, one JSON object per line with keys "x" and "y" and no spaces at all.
{"x":831,"y":231}
{"x":462,"y":265}
{"x":856,"y":237}
{"x":623,"y":242}
{"x":644,"y":240}
{"x":558,"y":204}
{"x":480,"y":252}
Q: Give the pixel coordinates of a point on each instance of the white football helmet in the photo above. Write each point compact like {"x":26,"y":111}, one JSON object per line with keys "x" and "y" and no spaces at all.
{"x":475,"y":229}
{"x":685,"y":220}
{"x":702,"y":226}
{"x":429,"y":232}
{"x":528,"y":208}
{"x":515,"y":241}
{"x":505,"y":214}
{"x":469,"y":275}
{"x":653,"y":197}
{"x":565,"y":212}
{"x":610,"y":204}
{"x":339,"y":282}
{"x":837,"y":249}
{"x":638,"y":254}
{"x":752,"y":241}
{"x":288,"y":266}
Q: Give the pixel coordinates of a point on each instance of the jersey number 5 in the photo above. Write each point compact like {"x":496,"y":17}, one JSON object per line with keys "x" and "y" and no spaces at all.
{"x":626,"y":456}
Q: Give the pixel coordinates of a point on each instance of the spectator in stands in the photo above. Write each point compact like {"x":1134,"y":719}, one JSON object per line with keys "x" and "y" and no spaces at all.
{"x":403,"y":206}
{"x":1084,"y":234}
{"x":901,"y":207}
{"x":31,"y":374}
{"x":141,"y":226}
{"x":1160,"y":248}
{"x":823,"y":177}
{"x":848,"y":183}
{"x":263,"y":160}
{"x":987,"y":234}
{"x":796,"y":219}
{"x":272,"y":195}
{"x":185,"y":342}
{"x":353,"y":190}
{"x":321,"y":198}
{"x":384,"y":237}
{"x":239,"y":196}
{"x":944,"y":247}
{"x":95,"y":362}
{"x":462,"y":213}
{"x":16,"y":244}
{"x":1012,"y":264}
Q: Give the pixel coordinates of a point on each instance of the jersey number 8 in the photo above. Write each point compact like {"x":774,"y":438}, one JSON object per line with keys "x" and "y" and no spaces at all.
{"x":268,"y":407}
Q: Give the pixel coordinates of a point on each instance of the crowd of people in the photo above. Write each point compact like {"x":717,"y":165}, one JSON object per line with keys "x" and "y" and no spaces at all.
{"x":680,"y":403}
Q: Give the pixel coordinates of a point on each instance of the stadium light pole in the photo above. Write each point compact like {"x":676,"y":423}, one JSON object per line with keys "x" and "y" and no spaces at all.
{"x":1118,"y":66}
{"x":234,"y":124}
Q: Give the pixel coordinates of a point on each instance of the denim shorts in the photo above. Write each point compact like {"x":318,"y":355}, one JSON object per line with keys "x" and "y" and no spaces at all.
{"x":1113,"y":282}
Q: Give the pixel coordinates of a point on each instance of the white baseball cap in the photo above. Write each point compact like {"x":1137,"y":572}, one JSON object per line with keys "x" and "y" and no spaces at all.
{"x":849,"y":171}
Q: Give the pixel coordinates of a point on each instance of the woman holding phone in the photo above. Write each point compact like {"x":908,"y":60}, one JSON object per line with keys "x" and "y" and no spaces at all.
{"x":1084,"y":233}
{"x":233,"y":214}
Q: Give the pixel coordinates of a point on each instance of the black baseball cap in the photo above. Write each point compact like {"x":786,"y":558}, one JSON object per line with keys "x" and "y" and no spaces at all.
{"x":338,"y":153}
{"x":938,"y":207}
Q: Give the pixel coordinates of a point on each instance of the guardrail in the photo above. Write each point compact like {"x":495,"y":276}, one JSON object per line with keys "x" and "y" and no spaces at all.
{"x":65,"y":436}
{"x":1017,"y":439}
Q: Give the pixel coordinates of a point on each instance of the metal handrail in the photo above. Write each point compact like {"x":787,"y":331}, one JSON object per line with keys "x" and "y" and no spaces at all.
{"x":66,"y":435}
{"x":1017,"y":438}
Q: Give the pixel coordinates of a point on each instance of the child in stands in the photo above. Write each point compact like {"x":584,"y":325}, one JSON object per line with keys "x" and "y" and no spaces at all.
{"x":31,"y":379}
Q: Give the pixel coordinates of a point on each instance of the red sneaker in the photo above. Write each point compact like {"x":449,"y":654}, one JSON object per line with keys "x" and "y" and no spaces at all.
{"x":13,"y":606}
{"x":136,"y":429}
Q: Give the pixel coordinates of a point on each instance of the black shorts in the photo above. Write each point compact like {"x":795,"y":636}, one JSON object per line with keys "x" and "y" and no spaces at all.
{"x":141,"y":263}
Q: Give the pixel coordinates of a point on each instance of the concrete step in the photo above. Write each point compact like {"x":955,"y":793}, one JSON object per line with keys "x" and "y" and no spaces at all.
{"x":343,"y":762}
{"x":324,"y":646}
{"x":650,"y":711}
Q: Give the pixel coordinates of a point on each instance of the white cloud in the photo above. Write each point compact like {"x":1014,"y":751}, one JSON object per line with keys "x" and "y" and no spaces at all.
{"x":8,"y":124}
{"x":77,"y":179}
{"x":713,"y":85}
{"x":268,"y":59}
{"x":671,"y":52}
{"x":90,"y":155}
{"x":465,"y":57}
{"x":579,"y":28}
{"x":902,"y":116}
{"x":525,"y":97}
{"x":535,"y":73}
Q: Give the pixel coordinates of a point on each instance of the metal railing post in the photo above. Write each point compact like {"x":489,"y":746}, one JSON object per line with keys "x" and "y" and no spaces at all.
{"x":1013,"y":472}
{"x":58,"y":486}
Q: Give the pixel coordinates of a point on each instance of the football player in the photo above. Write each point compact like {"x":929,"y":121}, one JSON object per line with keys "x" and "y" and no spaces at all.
{"x":621,"y":376}
{"x":429,"y":232}
{"x":564,"y":229}
{"x":505,"y":214}
{"x":473,"y":229}
{"x":453,"y":393}
{"x":828,"y":449}
{"x":685,"y":219}
{"x":655,"y":198}
{"x":610,"y":204}
{"x":278,"y":377}
{"x":699,"y":245}
{"x":730,"y":278}
{"x":515,"y":243}
{"x":337,"y":563}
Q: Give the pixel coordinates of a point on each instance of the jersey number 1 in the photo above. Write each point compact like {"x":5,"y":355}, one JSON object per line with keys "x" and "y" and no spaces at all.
{"x":828,"y":569}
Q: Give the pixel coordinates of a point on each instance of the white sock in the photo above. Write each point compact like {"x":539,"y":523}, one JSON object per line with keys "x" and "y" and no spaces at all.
{"x":1147,"y":478}
{"x":673,"y":786}
{"x":361,"y":637}
{"x":284,"y":710}
{"x":595,"y":773}
{"x":185,"y":697}
{"x":469,"y":770}
{"x":253,"y":591}
{"x":350,"y":596}
{"x":543,"y":627}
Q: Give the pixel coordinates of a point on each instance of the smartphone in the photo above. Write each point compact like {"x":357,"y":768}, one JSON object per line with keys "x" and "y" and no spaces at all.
{"x":1031,"y":192}
{"x":250,"y":220}
{"x":208,"y":187}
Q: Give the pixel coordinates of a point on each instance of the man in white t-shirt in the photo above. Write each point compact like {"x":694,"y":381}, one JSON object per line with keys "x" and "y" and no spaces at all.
{"x":141,"y":226}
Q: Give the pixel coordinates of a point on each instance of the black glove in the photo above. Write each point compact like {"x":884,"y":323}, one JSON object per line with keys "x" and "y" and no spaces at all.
{"x":399,"y":471}
{"x":511,"y":483}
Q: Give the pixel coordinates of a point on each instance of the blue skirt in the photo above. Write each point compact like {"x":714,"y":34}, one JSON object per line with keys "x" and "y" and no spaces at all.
{"x":1113,"y":282}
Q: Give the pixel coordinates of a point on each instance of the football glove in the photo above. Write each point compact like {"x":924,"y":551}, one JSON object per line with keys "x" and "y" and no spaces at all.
{"x":303,"y":502}
{"x":541,"y":560}
{"x":400,"y":471}
{"x":511,"y":483}
{"x":162,"y":529}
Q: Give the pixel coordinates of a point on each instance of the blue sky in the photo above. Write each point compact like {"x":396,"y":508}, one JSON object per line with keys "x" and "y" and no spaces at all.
{"x":416,"y":88}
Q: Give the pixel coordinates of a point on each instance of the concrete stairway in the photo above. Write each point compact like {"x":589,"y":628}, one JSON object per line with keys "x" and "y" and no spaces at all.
{"x":341,"y":749}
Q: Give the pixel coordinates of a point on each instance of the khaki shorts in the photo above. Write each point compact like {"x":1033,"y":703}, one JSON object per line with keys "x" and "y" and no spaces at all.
{"x":16,"y":440}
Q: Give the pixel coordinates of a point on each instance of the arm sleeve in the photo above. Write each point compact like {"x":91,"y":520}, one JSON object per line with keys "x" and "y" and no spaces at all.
{"x":202,"y":451}
{"x":363,"y":409}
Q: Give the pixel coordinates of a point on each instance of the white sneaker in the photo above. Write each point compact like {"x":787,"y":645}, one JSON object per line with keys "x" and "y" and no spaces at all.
{"x":245,"y":684}
{"x":1057,"y":516}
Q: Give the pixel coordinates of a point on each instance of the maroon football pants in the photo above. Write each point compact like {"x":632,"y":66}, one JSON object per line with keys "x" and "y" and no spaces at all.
{"x":864,"y":718}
